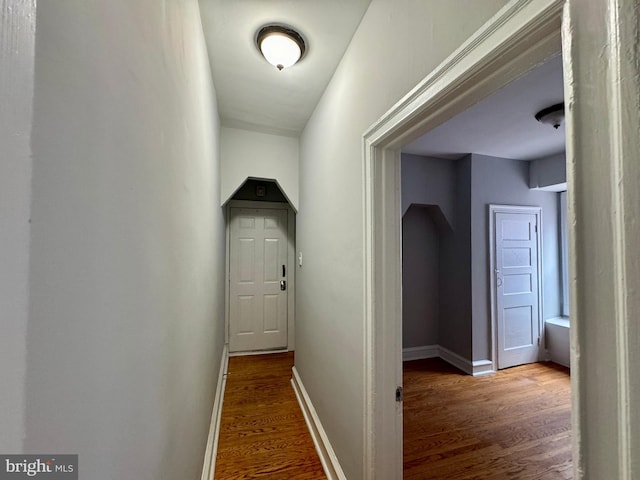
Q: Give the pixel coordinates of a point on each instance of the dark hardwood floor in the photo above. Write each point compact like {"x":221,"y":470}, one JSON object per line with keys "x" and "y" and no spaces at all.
{"x":263,"y":433}
{"x":514,"y":424}
{"x":511,"y":425}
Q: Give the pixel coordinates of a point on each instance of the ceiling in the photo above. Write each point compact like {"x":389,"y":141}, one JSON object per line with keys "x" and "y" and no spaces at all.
{"x":252,"y":94}
{"x":503,"y":124}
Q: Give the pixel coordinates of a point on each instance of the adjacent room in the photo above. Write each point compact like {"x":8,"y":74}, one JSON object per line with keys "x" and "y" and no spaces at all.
{"x":485,"y":302}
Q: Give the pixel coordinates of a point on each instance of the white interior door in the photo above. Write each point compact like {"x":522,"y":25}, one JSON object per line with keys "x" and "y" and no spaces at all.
{"x":258,"y":276}
{"x":516,"y":285}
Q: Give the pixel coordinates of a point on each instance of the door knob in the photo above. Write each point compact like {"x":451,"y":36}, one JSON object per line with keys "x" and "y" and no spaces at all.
{"x":283,"y":285}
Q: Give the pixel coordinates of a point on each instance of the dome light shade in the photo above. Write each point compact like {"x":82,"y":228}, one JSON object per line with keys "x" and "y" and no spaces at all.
{"x":282,"y":47}
{"x":553,"y":115}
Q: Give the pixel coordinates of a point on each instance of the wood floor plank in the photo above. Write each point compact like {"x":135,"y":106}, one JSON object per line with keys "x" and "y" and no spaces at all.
{"x":515,"y":424}
{"x":262,"y":430}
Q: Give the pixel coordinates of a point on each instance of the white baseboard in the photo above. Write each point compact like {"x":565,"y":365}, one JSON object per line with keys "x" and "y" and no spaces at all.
{"x":328,"y":458}
{"x":209,"y":467}
{"x":456,"y":360}
{"x":479,"y":367}
{"x":482,"y":367}
{"x":418,"y":353}
{"x":257,"y":352}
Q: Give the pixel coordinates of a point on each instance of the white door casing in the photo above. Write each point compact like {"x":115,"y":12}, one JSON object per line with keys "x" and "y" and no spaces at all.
{"x":515,"y":253}
{"x":257,"y":268}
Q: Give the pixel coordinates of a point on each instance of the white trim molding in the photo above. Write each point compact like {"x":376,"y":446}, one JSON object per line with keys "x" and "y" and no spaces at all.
{"x":456,"y":360}
{"x":475,"y":368}
{"x":520,"y":36}
{"x":209,"y":467}
{"x":258,"y":352}
{"x":481,"y":367}
{"x":418,"y":353}
{"x":328,"y":458}
{"x":602,"y":98}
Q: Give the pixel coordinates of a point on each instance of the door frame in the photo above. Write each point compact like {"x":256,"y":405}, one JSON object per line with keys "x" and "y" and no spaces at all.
{"x":600,"y":50}
{"x":537,"y":211}
{"x":291,"y":258}
{"x":521,"y":35}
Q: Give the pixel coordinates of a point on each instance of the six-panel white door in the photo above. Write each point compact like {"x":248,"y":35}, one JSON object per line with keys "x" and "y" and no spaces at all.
{"x":257,"y":266}
{"x":517,"y":288}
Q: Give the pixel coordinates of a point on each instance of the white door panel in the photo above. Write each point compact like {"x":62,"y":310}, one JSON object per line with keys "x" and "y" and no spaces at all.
{"x":516,"y":287}
{"x":257,"y":265}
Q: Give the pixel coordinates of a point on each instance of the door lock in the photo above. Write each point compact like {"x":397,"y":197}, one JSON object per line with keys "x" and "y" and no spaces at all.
{"x":399,"y":394}
{"x":283,"y":285}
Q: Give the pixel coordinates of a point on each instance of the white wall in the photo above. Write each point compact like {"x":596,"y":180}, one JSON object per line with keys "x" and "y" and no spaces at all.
{"x":396,"y":45}
{"x":246,"y":154}
{"x":504,"y":182}
{"x":17,"y":46}
{"x":127,"y":259}
{"x":557,"y":340}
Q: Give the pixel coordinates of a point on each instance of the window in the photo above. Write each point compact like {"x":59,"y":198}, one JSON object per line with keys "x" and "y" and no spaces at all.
{"x":564,"y":254}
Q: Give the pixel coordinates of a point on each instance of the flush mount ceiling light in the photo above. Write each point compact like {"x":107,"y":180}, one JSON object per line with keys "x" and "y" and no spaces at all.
{"x":281,"y":46}
{"x":553,"y":115}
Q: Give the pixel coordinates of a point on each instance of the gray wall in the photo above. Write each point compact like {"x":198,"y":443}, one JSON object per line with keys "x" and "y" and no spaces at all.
{"x":435,"y":182}
{"x":126,"y":322}
{"x":505,"y":182}
{"x":428,"y":181}
{"x":455,"y":304}
{"x":470,"y":185}
{"x":446,"y":184}
{"x":420,"y":277}
{"x":548,"y":171}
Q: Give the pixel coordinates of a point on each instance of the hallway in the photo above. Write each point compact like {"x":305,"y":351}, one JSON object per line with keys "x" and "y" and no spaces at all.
{"x":262,"y":432}
{"x":127,"y":125}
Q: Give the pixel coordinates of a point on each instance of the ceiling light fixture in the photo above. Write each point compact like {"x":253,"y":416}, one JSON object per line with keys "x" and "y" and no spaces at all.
{"x":553,"y":115}
{"x":281,"y":46}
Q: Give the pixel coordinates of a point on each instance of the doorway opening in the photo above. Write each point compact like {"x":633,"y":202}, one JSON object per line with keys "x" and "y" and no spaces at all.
{"x":472,"y":295}
{"x":260,"y":270}
{"x":508,"y":49}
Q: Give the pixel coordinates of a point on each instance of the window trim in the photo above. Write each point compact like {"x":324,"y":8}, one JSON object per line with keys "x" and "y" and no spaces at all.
{"x":564,"y":254}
